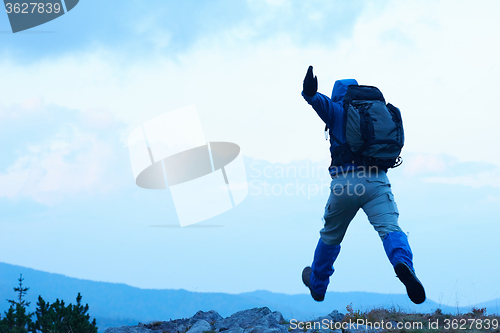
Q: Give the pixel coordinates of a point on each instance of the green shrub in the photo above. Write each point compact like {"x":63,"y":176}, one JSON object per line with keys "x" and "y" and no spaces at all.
{"x":49,"y":318}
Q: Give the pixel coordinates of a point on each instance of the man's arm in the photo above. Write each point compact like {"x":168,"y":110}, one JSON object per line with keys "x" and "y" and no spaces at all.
{"x":322,"y":104}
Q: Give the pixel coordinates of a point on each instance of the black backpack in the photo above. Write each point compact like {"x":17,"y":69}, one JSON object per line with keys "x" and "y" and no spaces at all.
{"x":373,"y":129}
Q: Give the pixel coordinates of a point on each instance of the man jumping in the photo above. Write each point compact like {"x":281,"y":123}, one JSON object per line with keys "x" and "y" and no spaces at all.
{"x":373,"y":195}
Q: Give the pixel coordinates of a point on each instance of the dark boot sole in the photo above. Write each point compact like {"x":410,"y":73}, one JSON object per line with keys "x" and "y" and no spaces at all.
{"x":414,"y":287}
{"x":306,"y":274}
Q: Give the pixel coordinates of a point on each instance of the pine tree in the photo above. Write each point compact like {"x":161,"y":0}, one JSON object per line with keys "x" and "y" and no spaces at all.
{"x":80,"y":319}
{"x":45,"y":317}
{"x":58,"y":317}
{"x":17,"y":319}
{"x":21,"y":292}
{"x":50,"y":318}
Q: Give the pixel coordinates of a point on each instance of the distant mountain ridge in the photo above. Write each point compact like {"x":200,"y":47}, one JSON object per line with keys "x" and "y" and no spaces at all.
{"x":114,"y":304}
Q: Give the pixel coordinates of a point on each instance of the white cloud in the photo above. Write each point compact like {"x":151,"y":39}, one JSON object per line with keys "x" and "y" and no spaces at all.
{"x":476,"y":180}
{"x":445,"y":169}
{"x":51,"y":174}
{"x":12,"y":182}
{"x":424,"y":163}
{"x":72,"y":158}
{"x":492,"y":198}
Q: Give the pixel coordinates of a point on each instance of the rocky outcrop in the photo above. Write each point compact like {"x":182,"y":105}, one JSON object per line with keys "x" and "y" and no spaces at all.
{"x":257,"y":320}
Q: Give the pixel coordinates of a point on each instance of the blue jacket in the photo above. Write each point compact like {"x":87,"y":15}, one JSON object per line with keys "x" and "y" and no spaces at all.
{"x":331,"y":111}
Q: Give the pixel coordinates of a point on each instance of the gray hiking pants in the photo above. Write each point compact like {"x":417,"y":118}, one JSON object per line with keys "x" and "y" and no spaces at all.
{"x":351,"y":191}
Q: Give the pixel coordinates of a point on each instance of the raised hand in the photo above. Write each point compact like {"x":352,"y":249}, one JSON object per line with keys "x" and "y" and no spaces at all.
{"x":310,"y":86}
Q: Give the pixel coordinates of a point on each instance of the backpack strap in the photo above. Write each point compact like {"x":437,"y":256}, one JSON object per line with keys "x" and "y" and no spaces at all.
{"x":342,"y":154}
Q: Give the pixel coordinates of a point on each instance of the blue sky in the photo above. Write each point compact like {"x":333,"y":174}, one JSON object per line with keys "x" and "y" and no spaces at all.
{"x":73,"y":89}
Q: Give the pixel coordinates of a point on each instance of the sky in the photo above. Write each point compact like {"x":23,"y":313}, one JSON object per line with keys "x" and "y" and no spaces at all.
{"x":73,"y":89}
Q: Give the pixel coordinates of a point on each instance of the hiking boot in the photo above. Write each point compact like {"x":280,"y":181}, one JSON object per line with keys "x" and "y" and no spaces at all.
{"x":306,"y":278}
{"x":414,"y":287}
